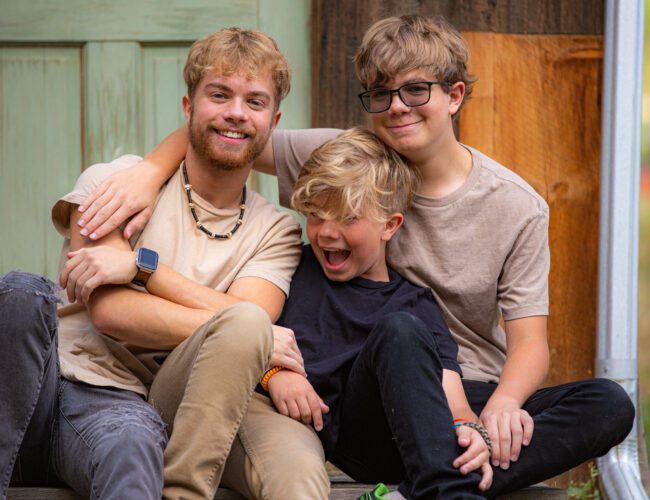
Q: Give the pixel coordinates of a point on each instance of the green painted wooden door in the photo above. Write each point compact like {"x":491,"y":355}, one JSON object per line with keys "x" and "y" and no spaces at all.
{"x":84,"y":81}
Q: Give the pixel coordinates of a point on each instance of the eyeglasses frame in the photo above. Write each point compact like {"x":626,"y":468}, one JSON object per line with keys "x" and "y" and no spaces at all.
{"x":396,"y":91}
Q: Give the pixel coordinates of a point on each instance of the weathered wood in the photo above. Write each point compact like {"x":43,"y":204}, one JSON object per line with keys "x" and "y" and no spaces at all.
{"x":535,"y":109}
{"x":117,"y":20}
{"x":338,"y":26}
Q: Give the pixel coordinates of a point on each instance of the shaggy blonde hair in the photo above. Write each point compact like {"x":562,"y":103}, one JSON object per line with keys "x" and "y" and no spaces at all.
{"x":402,"y":44}
{"x":234,"y":50}
{"x":353,"y":175}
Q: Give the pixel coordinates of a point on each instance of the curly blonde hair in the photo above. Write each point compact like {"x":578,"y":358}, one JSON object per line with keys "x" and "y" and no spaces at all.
{"x":234,"y":50}
{"x":356,"y":174}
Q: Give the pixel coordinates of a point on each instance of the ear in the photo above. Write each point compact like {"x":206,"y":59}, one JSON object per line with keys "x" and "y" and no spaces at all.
{"x":276,"y":119}
{"x":187,"y":108}
{"x":392,"y":225}
{"x":456,"y":96}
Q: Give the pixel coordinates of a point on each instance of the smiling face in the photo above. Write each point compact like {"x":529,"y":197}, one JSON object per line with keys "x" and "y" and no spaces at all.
{"x":231,"y":118}
{"x":418,"y":132}
{"x":353,"y":247}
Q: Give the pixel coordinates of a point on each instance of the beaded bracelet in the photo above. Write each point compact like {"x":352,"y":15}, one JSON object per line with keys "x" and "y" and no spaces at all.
{"x":267,"y":376}
{"x":478,"y":428}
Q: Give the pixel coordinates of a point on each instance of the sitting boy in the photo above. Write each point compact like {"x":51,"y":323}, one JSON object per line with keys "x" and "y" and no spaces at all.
{"x":376,"y":347}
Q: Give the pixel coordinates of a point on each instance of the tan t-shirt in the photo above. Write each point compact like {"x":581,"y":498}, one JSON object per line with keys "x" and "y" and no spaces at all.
{"x":483,"y":250}
{"x":266,"y":246}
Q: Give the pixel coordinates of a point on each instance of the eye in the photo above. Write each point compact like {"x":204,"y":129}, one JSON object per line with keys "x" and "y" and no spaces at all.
{"x":349,"y":221}
{"x":257,"y":103}
{"x":218,"y":96}
{"x":379,"y":95}
{"x":416,"y":88}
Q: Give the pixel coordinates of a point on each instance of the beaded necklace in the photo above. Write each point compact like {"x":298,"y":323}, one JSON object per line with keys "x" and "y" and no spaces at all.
{"x":199,"y":224}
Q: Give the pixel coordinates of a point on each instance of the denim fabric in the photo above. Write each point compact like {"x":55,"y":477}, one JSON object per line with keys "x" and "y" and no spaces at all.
{"x":395,"y":424}
{"x":104,"y":442}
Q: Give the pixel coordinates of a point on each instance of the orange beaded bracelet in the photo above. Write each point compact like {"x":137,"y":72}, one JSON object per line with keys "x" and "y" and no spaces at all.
{"x":267,"y":376}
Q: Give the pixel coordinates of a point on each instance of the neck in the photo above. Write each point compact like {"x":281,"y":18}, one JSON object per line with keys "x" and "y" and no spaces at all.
{"x":444,"y":168}
{"x":220,"y":188}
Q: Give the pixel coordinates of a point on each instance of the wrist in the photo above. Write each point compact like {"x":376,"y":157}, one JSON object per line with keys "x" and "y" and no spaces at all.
{"x":266,"y":378}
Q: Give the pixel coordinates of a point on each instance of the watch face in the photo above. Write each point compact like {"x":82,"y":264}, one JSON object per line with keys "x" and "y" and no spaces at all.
{"x":147,"y":259}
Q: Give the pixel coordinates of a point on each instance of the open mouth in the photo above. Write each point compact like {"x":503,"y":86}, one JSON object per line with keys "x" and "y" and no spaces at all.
{"x":336,"y":257}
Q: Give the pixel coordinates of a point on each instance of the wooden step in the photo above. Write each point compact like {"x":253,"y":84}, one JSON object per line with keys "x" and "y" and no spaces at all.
{"x":340,"y":491}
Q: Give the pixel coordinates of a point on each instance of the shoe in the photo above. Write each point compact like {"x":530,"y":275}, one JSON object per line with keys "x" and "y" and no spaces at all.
{"x":376,"y":494}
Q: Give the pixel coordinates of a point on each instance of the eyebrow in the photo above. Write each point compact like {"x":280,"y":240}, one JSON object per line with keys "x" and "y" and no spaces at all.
{"x":221,"y":86}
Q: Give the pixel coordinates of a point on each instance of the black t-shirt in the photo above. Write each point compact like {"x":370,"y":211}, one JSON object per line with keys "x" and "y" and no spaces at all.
{"x":331,"y":321}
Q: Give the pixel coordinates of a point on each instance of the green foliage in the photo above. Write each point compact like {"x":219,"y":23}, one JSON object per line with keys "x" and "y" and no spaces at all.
{"x":587,"y":490}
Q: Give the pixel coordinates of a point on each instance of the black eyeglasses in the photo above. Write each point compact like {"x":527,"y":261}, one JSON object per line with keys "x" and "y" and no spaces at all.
{"x":412,"y":94}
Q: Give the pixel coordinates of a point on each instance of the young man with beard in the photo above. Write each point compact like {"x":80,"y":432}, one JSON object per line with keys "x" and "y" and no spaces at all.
{"x":180,"y":315}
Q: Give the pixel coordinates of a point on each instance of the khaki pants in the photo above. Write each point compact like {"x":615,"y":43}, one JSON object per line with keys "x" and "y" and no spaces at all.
{"x":275,"y":457}
{"x":202,"y":392}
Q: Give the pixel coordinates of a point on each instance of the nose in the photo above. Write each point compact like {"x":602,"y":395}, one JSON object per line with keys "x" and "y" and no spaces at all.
{"x":235,"y":110}
{"x":329,"y":229}
{"x":397,"y":106}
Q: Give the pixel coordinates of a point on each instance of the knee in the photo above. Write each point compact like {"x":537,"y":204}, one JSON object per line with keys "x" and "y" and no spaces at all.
{"x":27,"y":302}
{"x":616,"y":407}
{"x":245,"y":329}
{"x":399,"y":331}
{"x":132,"y":434}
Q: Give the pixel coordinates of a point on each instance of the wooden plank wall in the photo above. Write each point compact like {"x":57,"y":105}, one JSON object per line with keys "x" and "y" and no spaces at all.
{"x":535,"y":108}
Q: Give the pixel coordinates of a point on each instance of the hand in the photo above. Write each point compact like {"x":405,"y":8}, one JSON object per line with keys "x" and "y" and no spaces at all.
{"x":476,"y":456}
{"x":509,"y":427}
{"x":285,"y":350}
{"x":88,"y":268}
{"x":294,"y":396}
{"x":129,"y":193}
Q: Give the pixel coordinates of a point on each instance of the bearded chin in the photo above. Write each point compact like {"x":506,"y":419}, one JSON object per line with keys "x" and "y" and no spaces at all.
{"x":220,"y":158}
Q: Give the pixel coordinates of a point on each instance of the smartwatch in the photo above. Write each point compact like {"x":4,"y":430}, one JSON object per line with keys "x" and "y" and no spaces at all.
{"x":147,"y":262}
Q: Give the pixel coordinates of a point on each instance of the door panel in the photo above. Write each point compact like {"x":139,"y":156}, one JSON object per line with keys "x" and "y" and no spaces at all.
{"x":84,"y":81}
{"x":40,"y":150}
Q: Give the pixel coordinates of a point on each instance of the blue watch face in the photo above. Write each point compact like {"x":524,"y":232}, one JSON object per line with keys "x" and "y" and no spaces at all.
{"x":147,"y":259}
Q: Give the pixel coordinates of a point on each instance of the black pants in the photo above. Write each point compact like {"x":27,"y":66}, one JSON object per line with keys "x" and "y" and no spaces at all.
{"x":396,"y":426}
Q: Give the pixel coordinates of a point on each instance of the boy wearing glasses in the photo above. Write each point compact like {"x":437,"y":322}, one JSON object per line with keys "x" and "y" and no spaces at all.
{"x":477,"y":234}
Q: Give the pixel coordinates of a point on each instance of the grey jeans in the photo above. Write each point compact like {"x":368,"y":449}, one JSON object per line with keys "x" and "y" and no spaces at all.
{"x":103,"y":442}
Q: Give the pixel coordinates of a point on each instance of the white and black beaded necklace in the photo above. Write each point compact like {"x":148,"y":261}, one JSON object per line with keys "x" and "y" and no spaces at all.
{"x":199,"y":224}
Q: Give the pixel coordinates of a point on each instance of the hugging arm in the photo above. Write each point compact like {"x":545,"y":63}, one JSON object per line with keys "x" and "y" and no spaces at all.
{"x":131,"y":193}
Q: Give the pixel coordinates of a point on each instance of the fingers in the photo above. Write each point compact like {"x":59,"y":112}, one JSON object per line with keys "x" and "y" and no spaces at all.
{"x":137,"y":223}
{"x":92,"y":210}
{"x":475,"y":456}
{"x":505,"y":440}
{"x":107,"y":218}
{"x":516,"y":434}
{"x":529,"y":426}
{"x":488,"y":474}
{"x":100,"y":190}
{"x":490,"y":424}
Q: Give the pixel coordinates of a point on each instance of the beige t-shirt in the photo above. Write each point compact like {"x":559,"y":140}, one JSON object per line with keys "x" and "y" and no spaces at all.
{"x":266,"y":246}
{"x":483,"y":250}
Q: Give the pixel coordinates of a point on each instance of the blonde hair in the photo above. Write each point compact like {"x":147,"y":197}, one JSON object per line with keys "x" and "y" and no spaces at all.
{"x":232,"y":50}
{"x":401,"y":44}
{"x":355,"y":174}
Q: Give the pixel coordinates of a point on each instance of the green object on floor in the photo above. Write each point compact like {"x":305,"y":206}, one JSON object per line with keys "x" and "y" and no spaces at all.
{"x":376,"y":494}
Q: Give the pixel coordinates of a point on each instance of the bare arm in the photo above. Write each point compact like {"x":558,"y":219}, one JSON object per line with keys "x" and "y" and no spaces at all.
{"x":175,"y":307}
{"x":132,"y":192}
{"x":476,"y":454}
{"x":526,"y":367}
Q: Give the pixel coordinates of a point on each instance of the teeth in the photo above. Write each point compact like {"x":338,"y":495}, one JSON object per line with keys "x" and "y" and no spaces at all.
{"x":232,"y":135}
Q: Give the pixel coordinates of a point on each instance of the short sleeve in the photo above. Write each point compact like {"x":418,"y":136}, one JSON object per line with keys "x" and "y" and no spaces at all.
{"x":89,"y":179}
{"x":278,"y":253}
{"x":291,"y":148}
{"x":523,"y":284}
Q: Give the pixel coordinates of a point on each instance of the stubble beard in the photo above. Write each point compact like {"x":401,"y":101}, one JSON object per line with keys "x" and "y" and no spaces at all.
{"x":221,"y":159}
